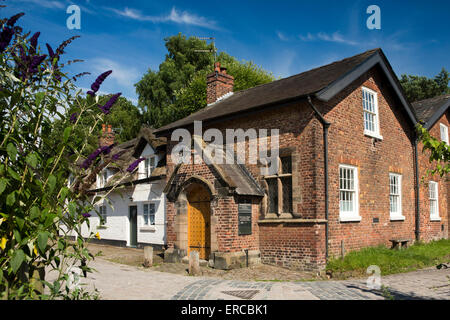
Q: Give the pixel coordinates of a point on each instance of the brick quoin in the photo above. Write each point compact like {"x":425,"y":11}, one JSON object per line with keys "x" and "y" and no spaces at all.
{"x":301,"y":244}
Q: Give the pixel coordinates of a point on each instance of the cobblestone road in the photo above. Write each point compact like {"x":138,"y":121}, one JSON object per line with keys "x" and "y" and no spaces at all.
{"x":117,"y":281}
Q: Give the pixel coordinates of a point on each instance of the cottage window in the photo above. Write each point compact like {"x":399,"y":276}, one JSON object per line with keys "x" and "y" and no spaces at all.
{"x":348,"y":193}
{"x":444,"y":133}
{"x":370,"y":108}
{"x":149,"y":214}
{"x":395,"y":196}
{"x":103,"y":215}
{"x":434,"y":204}
{"x":149,"y":166}
{"x":280,"y":187}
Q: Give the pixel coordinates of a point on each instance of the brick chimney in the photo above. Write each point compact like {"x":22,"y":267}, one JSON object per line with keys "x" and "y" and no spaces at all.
{"x":107,"y":137}
{"x":218,"y":83}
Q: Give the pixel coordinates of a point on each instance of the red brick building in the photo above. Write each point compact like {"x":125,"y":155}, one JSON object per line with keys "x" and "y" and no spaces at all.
{"x":434,"y":220}
{"x":346,"y":176}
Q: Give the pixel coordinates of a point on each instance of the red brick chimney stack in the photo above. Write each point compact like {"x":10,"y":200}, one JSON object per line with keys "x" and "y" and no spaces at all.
{"x":107,"y":137}
{"x":218,"y":83}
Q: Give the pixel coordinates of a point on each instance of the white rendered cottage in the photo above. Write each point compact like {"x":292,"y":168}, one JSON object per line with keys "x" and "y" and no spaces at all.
{"x":133,"y":213}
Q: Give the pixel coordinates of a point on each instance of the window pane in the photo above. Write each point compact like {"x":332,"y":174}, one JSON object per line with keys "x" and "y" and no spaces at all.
{"x":273,"y":195}
{"x":152,"y":213}
{"x":145,"y":213}
{"x":287,"y":193}
{"x":286,"y":165}
{"x":347,"y":194}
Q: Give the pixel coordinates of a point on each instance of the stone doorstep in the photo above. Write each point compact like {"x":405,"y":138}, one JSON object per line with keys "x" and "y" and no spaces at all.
{"x":202,"y":263}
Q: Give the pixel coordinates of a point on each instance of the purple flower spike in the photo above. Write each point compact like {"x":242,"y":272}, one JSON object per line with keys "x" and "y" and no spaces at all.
{"x":134,"y":164}
{"x":86,"y":215}
{"x":117,"y":155}
{"x":51,"y":53}
{"x":5,"y":38}
{"x":91,"y":93}
{"x":73,"y":117}
{"x":12,"y":21}
{"x":97,"y":83}
{"x":35,"y":62}
{"x":91,"y":158}
{"x":34,"y":40}
{"x":107,"y":149}
{"x":106,"y":108}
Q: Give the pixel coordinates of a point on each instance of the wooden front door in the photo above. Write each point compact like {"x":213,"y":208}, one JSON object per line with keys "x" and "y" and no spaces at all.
{"x":199,"y":219}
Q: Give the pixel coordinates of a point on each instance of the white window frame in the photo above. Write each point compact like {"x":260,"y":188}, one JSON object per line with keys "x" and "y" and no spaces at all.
{"x":147,"y":224}
{"x":102,"y":180}
{"x":104,"y":214}
{"x":445,"y":138}
{"x":147,"y":167}
{"x":434,"y":200}
{"x":376,"y":122}
{"x":345,"y":216}
{"x":397,"y":215}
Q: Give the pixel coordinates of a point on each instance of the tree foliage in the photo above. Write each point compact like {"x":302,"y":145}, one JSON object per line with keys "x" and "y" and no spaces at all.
{"x":178,"y":88}
{"x":419,"y":87}
{"x":124,"y":118}
{"x":439,"y":152}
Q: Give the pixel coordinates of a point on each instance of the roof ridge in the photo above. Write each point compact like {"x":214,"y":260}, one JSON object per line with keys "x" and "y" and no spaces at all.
{"x":316,"y":68}
{"x":442,"y":96}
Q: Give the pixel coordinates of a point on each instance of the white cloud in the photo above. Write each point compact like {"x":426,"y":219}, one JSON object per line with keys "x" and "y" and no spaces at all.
{"x":281,"y":36}
{"x":52,"y":4}
{"x":334,"y":37}
{"x":123,"y":75}
{"x":180,"y":17}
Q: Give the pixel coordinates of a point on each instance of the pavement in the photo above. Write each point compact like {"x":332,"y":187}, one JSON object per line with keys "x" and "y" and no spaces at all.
{"x":124,"y":282}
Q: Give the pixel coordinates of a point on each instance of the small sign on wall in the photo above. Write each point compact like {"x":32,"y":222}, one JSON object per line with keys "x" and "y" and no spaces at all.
{"x":245,"y":217}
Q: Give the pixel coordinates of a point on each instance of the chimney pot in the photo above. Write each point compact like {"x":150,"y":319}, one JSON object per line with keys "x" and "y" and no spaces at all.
{"x":107,"y":137}
{"x":218,"y":83}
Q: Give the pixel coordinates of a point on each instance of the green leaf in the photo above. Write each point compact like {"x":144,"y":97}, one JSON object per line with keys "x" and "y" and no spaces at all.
{"x":34,"y":212}
{"x":20,"y":223}
{"x":66,"y":133}
{"x":32,"y":160}
{"x":64,"y":192}
{"x":12,"y":151}
{"x":39,"y":96}
{"x":51,"y":182}
{"x":72,"y":208}
{"x":42,"y":241}
{"x":11,"y":199}
{"x":17,"y":259}
{"x":3,"y":182}
{"x":13,"y":174}
{"x":17,"y":235}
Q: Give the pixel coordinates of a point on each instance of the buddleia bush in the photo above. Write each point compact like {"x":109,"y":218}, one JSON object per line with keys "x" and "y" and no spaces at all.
{"x":39,"y":207}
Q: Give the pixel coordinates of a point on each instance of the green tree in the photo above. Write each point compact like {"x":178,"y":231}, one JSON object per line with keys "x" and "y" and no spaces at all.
{"x":124,"y":118}
{"x":419,"y":87}
{"x":178,"y":88}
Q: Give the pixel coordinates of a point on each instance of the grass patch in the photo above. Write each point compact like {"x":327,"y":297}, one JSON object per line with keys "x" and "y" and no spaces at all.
{"x":417,"y":256}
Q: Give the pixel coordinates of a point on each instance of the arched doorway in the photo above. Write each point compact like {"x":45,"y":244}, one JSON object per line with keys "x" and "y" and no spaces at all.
{"x":199,"y":220}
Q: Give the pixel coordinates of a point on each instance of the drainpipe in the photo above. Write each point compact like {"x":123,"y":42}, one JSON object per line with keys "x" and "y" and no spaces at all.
{"x":416,"y":169}
{"x":325,"y":125}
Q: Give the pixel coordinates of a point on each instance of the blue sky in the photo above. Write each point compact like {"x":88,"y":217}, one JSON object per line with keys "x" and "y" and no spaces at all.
{"x":284,"y":37}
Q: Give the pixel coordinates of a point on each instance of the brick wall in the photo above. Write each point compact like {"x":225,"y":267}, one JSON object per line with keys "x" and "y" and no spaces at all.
{"x":302,"y":245}
{"x":431,"y":230}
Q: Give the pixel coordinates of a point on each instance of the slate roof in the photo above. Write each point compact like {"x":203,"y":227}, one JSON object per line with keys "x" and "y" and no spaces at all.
{"x":286,"y":89}
{"x":426,"y":109}
{"x":236,"y":176}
